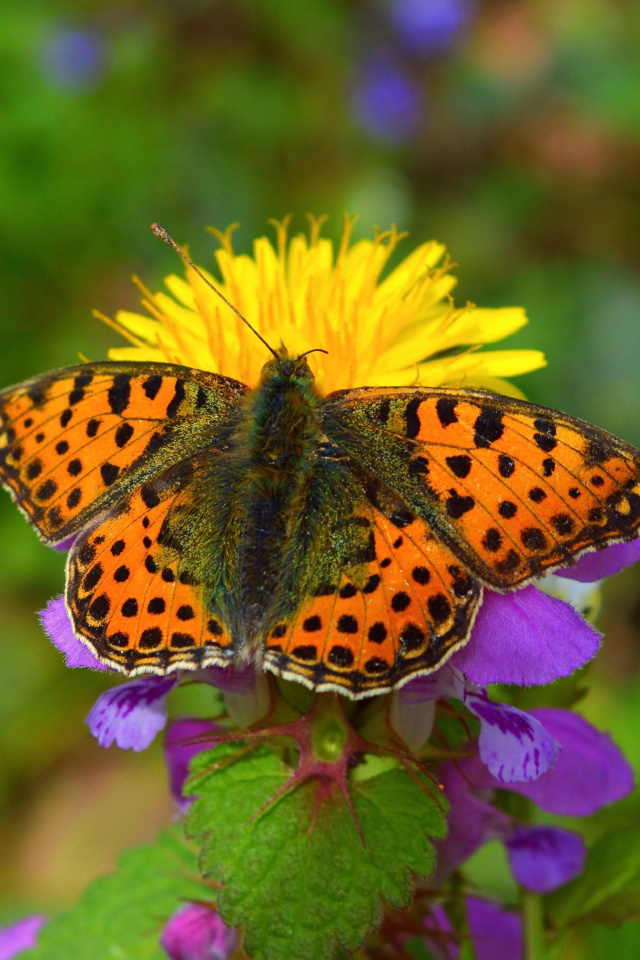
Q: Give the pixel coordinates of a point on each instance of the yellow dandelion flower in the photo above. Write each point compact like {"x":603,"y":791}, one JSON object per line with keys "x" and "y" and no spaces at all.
{"x":400,"y":330}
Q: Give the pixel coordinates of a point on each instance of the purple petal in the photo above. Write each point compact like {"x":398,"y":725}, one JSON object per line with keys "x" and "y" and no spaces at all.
{"x":603,"y":563}
{"x":183,"y":740}
{"x":496,"y":933}
{"x":513,"y":744}
{"x":132,"y":714}
{"x":590,"y":773}
{"x":57,"y":625}
{"x":20,"y":936}
{"x":525,"y":638}
{"x":65,"y":545}
{"x":196,"y":932}
{"x":543,"y":858}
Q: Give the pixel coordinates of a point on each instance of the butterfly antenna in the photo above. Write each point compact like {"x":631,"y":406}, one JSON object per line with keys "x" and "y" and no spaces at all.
{"x":162,"y":234}
{"x":314,"y":350}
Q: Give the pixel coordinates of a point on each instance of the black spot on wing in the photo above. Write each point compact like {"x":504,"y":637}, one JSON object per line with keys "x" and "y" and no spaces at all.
{"x":178,"y":397}
{"x":506,"y":465}
{"x":151,"y":386}
{"x":446,"y":411}
{"x":457,"y":506}
{"x":411,"y":417}
{"x":460,"y":465}
{"x":119,"y":393}
{"x":488,"y":427}
{"x":383,"y":410}
{"x":123,"y":434}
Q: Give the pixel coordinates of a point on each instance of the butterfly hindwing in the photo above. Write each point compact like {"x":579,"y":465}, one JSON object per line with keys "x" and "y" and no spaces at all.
{"x":514,"y":489}
{"x":382,"y":598}
{"x":137,"y":586}
{"x":74,"y":441}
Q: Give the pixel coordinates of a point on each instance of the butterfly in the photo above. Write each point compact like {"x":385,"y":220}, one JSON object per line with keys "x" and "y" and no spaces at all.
{"x":343,"y":541}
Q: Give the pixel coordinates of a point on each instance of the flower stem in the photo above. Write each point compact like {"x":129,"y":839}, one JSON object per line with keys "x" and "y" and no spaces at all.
{"x":532,"y":921}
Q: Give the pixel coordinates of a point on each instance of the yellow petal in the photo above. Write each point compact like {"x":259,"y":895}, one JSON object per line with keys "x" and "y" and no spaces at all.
{"x":147,"y":354}
{"x":464,"y":368}
{"x":140,"y":326}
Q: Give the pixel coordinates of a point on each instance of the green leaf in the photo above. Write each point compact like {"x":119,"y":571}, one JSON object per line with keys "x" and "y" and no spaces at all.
{"x":121,"y":916}
{"x":608,"y":890}
{"x":296,"y":871}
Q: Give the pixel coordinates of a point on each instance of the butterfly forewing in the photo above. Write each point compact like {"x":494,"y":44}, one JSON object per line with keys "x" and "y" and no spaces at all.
{"x":514,"y":489}
{"x":73,"y":442}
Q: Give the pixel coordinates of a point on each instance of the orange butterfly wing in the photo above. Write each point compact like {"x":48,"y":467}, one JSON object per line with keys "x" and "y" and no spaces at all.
{"x":397,"y":615}
{"x":512,"y":488}
{"x":138,"y":589}
{"x":74,"y":441}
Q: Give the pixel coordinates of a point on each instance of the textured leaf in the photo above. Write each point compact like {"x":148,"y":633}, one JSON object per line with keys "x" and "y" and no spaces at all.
{"x":121,"y":916}
{"x":296,"y":871}
{"x":608,"y":890}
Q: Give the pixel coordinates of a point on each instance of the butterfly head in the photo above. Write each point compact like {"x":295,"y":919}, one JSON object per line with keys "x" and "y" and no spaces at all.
{"x":285,"y":368}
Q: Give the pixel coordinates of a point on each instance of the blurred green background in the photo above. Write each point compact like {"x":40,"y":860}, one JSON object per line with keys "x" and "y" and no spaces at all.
{"x":508,"y":130}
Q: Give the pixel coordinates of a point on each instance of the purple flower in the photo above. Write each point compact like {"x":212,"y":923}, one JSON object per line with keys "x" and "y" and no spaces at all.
{"x":196,"y":932}
{"x":183,"y":740}
{"x":543,"y":858}
{"x":430,"y":26}
{"x":20,"y":936}
{"x":514,"y":745}
{"x":496,"y":933}
{"x":74,"y":58}
{"x":525,"y":638}
{"x":473,"y":820}
{"x":132,"y":714}
{"x":388,"y":105}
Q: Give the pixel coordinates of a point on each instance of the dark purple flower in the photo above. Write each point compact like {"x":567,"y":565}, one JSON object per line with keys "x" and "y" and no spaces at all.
{"x":473,"y":820}
{"x":74,"y":58}
{"x":132,"y":714}
{"x":196,"y":932}
{"x":543,"y":858}
{"x":525,"y":638}
{"x":388,"y":104}
{"x":540,"y":856}
{"x":430,"y":26}
{"x":603,"y":563}
{"x":496,"y":933}
{"x":20,"y":936}
{"x":183,"y":740}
